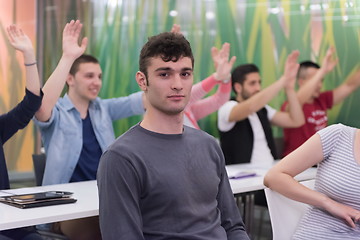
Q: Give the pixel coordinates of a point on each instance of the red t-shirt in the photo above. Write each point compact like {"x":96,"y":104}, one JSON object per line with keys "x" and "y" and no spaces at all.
{"x":315,"y":120}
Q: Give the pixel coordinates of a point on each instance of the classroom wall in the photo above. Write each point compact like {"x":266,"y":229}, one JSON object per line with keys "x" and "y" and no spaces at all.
{"x":263,"y":32}
{"x":19,"y":148}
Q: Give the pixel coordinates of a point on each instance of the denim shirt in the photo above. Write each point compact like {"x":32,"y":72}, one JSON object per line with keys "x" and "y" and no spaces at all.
{"x":62,"y":133}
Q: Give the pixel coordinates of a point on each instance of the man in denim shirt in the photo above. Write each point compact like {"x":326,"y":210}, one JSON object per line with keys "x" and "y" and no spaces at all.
{"x":77,"y":128}
{"x":77,"y":117}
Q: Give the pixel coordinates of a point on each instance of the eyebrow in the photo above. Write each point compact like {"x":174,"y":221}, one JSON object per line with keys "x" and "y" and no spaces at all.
{"x":170,"y":69}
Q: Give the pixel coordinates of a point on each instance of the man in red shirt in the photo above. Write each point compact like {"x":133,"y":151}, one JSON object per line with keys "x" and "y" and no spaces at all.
{"x":314,"y":102}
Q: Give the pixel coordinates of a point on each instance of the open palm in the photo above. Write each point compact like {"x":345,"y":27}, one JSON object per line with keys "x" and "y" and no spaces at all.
{"x":18,"y":39}
{"x":329,"y":62}
{"x":71,"y":36}
{"x":222,"y":62}
{"x":291,"y":69}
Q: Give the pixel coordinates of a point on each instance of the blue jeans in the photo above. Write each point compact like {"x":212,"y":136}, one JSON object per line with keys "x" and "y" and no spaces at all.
{"x":25,"y":233}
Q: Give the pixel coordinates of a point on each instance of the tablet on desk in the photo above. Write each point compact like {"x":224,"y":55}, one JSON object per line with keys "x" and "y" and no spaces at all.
{"x":38,"y":196}
{"x":40,"y":199}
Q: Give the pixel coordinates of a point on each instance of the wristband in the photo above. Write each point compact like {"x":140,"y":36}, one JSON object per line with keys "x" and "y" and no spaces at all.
{"x":29,"y":64}
{"x":226,"y":80}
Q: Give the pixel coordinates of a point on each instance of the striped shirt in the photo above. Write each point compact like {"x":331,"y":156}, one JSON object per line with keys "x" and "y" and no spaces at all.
{"x":338,"y":177}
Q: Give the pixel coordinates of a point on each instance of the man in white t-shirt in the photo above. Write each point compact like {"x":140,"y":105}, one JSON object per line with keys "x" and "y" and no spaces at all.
{"x":245,"y":122}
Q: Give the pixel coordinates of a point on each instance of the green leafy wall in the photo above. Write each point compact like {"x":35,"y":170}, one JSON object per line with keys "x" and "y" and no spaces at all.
{"x":261,"y":32}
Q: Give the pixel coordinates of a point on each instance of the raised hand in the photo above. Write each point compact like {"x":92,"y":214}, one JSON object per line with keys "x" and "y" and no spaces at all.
{"x":21,"y":42}
{"x":175,"y":28}
{"x":55,"y":84}
{"x":18,"y":39}
{"x":71,"y":36}
{"x":291,"y":68}
{"x":215,"y":55}
{"x":329,"y":62}
{"x":222,"y":62}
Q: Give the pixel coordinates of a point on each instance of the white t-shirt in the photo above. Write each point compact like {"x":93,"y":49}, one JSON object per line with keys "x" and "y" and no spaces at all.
{"x":261,"y":154}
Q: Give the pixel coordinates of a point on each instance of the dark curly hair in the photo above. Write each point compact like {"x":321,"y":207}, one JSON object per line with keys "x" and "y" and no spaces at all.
{"x":169,"y":46}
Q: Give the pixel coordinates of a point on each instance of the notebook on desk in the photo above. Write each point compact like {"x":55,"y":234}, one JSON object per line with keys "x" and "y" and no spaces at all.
{"x":39,"y":199}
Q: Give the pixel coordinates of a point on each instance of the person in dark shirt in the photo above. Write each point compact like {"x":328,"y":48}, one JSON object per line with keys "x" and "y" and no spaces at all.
{"x":161,"y":179}
{"x":18,"y":118}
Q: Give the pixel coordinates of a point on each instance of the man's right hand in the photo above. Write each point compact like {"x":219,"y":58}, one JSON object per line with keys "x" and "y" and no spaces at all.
{"x":54,"y":85}
{"x":71,"y":36}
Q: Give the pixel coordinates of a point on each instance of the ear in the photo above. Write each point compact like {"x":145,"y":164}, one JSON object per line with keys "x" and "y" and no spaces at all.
{"x":238,"y":88}
{"x":70,"y":79}
{"x":141,"y":80}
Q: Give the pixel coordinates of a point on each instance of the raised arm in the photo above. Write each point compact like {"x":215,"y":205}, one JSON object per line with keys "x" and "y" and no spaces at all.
{"x":175,"y":28}
{"x":345,"y":89}
{"x":294,"y":117}
{"x":222,"y":63}
{"x":55,"y":84}
{"x":18,"y":117}
{"x":22,"y":43}
{"x":222,"y":76}
{"x":253,"y":104}
{"x":280,"y":178}
{"x":305,"y":93}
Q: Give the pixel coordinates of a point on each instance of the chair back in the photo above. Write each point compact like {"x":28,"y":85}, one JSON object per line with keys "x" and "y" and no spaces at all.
{"x":39,"y":162}
{"x":285,"y":213}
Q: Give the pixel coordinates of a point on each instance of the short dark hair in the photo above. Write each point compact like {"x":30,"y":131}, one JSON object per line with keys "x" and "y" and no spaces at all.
{"x":85,"y":58}
{"x":238,"y":75}
{"x":168,"y":45}
{"x":304,"y":66}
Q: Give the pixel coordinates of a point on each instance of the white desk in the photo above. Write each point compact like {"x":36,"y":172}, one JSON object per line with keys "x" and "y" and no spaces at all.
{"x":251,"y":184}
{"x":87,"y":205}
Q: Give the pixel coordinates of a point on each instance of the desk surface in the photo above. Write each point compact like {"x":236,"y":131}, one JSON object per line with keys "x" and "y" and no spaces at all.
{"x":255,"y":183}
{"x":87,"y":203}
